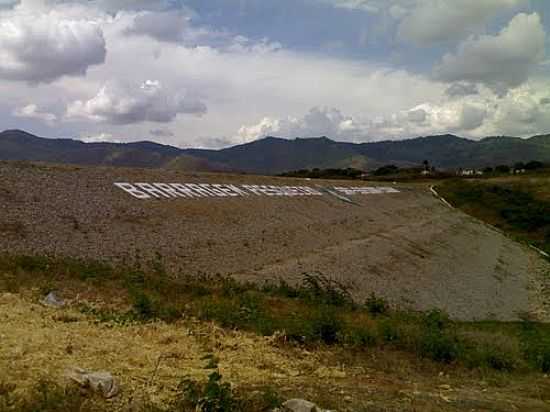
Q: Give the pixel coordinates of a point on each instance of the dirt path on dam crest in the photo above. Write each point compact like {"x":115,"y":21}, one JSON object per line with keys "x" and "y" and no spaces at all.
{"x":406,"y":246}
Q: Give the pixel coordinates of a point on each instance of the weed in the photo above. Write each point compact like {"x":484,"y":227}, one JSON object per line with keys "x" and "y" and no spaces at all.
{"x":376,"y":305}
{"x":214,"y":396}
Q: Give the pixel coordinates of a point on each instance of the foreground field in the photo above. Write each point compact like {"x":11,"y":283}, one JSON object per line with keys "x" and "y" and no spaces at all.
{"x":407,"y":246}
{"x":271,"y":343}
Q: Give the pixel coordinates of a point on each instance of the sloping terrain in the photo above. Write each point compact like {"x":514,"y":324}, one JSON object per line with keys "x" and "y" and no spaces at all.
{"x":406,"y":246}
{"x":275,"y":155}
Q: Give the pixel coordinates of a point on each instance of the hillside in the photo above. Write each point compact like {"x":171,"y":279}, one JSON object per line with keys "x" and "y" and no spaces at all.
{"x":273,"y":155}
{"x":310,"y":294}
{"x":400,"y":245}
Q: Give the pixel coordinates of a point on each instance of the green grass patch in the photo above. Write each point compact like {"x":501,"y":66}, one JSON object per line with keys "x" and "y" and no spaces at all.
{"x":317,"y":311}
{"x":518,"y":207}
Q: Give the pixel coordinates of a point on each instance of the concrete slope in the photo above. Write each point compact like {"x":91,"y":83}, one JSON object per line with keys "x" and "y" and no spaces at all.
{"x":406,"y":246}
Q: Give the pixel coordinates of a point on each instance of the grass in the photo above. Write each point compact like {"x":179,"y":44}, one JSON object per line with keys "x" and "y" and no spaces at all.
{"x":319,"y":311}
{"x":520,"y":207}
{"x":215,"y":395}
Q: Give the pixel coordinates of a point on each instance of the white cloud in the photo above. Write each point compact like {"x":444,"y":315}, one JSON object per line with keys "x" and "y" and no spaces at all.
{"x":32,"y":111}
{"x":521,"y":112}
{"x":425,"y":119}
{"x":41,"y":46}
{"x":461,"y":89}
{"x":502,"y":61}
{"x":161,"y":133}
{"x":150,"y":102}
{"x":436,"y":21}
{"x":317,"y":122}
{"x":100,"y":138}
{"x":372,"y":6}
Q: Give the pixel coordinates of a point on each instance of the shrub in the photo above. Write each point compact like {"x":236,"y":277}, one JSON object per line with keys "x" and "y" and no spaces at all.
{"x":435,"y":342}
{"x":142,"y":304}
{"x":322,"y":290}
{"x":439,"y":346}
{"x":376,"y":305}
{"x":361,"y":336}
{"x":214,"y":396}
{"x":326,"y":326}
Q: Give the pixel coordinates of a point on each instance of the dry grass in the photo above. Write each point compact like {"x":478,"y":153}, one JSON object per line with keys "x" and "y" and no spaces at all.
{"x":151,"y":359}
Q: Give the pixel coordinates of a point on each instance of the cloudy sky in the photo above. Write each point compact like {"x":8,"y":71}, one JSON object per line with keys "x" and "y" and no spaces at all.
{"x":211,"y":73}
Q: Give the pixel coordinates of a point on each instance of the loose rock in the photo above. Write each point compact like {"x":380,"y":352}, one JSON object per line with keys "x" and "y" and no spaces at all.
{"x":301,"y":405}
{"x":52,"y":300}
{"x":100,"y":382}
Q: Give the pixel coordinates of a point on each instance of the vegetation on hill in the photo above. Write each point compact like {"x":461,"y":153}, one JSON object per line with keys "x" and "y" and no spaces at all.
{"x":520,"y":206}
{"x":276,"y":155}
{"x":348,"y":173}
{"x":317,"y":311}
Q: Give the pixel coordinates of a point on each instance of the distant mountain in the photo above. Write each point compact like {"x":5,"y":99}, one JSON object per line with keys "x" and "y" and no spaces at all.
{"x":273,"y":155}
{"x":19,"y":145}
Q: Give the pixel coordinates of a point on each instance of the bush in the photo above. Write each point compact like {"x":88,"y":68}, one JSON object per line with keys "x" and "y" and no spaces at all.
{"x":435,"y":341}
{"x":376,"y":305}
{"x":361,"y":336}
{"x":215,"y":396}
{"x":322,"y":290}
{"x":326,"y":326}
{"x":218,"y":396}
{"x":439,"y":346}
{"x":142,"y":304}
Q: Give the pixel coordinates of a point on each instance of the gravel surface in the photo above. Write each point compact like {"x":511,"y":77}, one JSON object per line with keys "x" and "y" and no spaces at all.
{"x":405,"y":246}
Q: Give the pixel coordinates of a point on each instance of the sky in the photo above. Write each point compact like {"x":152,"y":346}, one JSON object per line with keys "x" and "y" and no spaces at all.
{"x":215,"y":73}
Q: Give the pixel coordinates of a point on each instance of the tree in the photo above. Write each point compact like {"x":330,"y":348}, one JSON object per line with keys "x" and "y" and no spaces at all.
{"x":502,"y":169}
{"x":533,"y":165}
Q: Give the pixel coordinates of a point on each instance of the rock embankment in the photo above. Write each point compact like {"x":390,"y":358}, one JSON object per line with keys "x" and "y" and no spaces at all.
{"x":406,"y":246}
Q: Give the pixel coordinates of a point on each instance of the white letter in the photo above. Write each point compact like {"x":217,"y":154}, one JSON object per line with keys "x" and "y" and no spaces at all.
{"x":129,"y":188}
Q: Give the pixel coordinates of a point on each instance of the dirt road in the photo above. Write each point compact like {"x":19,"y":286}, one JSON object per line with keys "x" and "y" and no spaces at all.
{"x":405,"y":246}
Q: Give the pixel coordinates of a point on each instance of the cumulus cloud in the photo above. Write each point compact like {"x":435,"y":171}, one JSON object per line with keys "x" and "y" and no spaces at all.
{"x":150,"y":102}
{"x":372,"y":6}
{"x":424,"y":119}
{"x":417,"y":116}
{"x":32,"y":111}
{"x":436,"y":21}
{"x":317,"y":122}
{"x":39,"y":46}
{"x":500,"y":62}
{"x":161,"y":133}
{"x":168,"y":26}
{"x":461,"y":89}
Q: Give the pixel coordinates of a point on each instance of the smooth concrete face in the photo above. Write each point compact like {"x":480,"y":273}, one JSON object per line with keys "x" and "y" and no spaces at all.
{"x":406,"y":246}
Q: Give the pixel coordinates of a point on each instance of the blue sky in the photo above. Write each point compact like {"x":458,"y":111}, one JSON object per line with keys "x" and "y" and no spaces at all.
{"x":220,"y":72}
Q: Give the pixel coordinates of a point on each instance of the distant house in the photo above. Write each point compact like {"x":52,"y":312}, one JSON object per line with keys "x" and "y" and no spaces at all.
{"x":470,"y":172}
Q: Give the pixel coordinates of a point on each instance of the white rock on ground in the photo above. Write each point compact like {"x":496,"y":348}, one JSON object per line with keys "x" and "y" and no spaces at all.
{"x":52,"y":300}
{"x":301,"y":405}
{"x":100,"y":382}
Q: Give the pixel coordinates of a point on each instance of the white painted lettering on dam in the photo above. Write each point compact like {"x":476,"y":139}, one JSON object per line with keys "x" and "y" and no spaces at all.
{"x":142,"y":190}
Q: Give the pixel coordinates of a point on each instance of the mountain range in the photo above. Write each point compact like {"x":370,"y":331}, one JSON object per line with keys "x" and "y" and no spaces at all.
{"x":272,"y":155}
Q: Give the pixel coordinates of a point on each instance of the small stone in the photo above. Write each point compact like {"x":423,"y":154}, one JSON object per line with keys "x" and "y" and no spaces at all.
{"x":301,"y":405}
{"x":100,"y":382}
{"x":52,"y":300}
